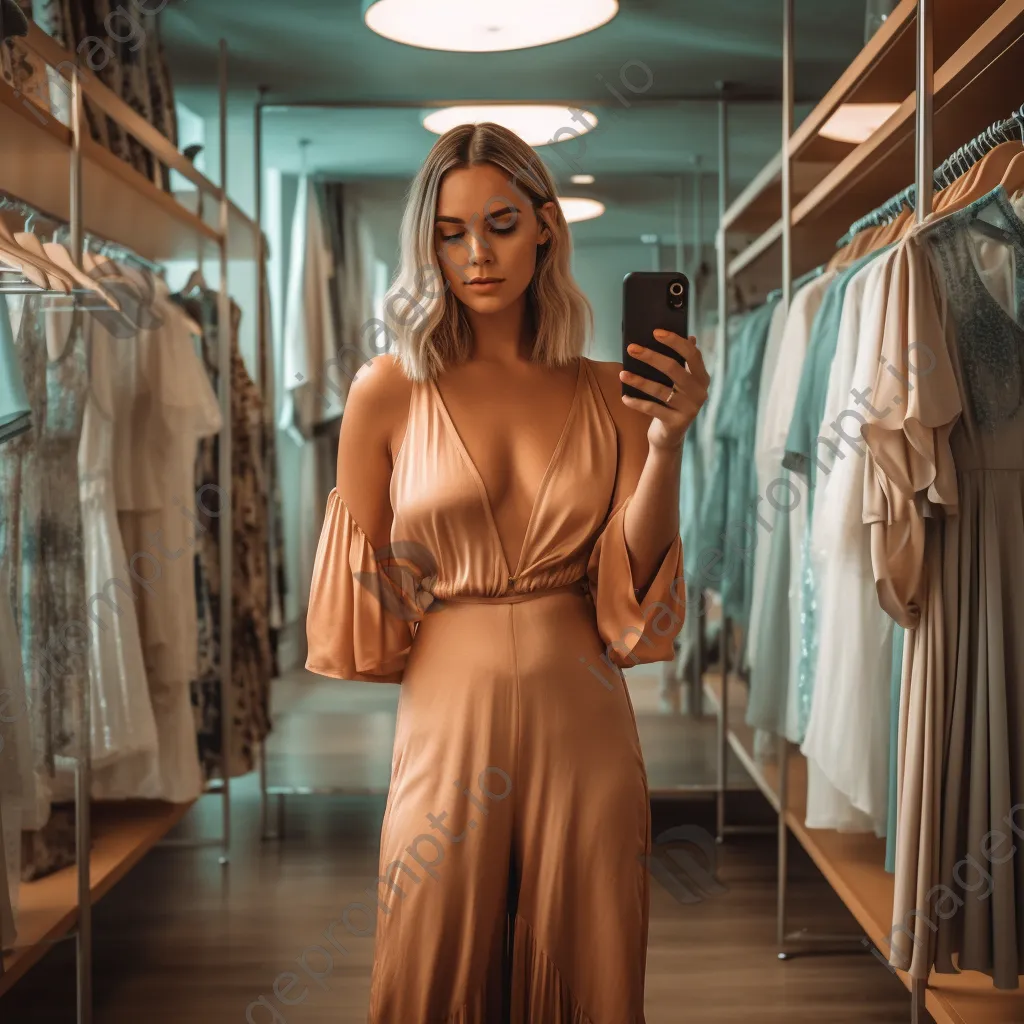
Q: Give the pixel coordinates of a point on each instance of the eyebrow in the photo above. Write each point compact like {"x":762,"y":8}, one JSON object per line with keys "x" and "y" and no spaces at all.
{"x":491,"y":213}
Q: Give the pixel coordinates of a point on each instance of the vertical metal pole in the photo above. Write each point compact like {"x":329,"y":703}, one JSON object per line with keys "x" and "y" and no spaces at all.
{"x":925,"y":95}
{"x":261,"y":327}
{"x":787,"y":165}
{"x":225,"y":338}
{"x":696,"y":699}
{"x":787,"y":295}
{"x":263,"y":379}
{"x":680,"y":245}
{"x":723,"y":325}
{"x":698,"y":242}
{"x":76,"y":212}
{"x":83,"y":763}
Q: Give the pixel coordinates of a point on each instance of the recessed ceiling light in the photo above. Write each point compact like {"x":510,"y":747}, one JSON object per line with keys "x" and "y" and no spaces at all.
{"x":535,"y":124}
{"x":582,"y":179}
{"x":857,"y":122}
{"x":575,"y":208}
{"x":469,"y":26}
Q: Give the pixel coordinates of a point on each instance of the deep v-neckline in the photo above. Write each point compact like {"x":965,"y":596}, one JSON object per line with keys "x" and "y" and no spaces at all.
{"x":485,"y":499}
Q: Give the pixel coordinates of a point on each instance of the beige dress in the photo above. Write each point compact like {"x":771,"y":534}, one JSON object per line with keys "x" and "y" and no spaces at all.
{"x":944,"y":494}
{"x":512,"y":882}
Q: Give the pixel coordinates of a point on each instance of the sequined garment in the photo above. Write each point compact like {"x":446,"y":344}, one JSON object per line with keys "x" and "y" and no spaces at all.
{"x":252,"y":658}
{"x":41,"y":528}
{"x":42,"y":547}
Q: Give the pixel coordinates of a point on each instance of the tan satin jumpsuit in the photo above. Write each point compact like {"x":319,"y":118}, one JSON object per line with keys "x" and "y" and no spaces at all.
{"x":512,"y":884}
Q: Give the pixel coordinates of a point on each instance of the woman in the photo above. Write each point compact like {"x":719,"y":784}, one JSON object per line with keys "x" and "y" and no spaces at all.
{"x":500,"y":514}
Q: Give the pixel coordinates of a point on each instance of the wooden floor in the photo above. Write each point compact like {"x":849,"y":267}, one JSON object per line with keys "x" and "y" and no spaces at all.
{"x":182,"y":939}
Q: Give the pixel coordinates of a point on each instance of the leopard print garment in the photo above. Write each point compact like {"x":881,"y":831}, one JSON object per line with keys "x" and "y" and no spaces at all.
{"x":252,"y":655}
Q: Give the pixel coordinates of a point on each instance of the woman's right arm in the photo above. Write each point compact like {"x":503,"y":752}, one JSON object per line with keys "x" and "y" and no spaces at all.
{"x":358,"y":626}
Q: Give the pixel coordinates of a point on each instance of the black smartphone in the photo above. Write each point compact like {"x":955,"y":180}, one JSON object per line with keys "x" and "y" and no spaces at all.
{"x":653,"y":300}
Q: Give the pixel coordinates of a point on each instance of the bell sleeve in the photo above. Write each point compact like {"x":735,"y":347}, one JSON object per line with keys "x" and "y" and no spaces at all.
{"x":909,"y":472}
{"x":361,"y":619}
{"x":637,"y":628}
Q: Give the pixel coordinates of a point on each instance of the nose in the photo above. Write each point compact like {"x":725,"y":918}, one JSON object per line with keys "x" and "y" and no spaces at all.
{"x":479,"y":251}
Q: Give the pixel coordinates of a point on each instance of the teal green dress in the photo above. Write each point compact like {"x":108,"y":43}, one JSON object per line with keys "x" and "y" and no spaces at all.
{"x":728,"y":524}
{"x":15,"y":412}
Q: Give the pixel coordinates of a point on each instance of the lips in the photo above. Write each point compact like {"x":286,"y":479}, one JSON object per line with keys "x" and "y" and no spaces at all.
{"x":486,"y":280}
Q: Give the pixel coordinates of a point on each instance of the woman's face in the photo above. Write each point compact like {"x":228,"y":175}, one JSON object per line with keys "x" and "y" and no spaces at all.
{"x":487,"y":234}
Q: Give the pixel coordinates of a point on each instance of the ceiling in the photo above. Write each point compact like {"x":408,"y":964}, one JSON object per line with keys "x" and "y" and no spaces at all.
{"x":312,"y":51}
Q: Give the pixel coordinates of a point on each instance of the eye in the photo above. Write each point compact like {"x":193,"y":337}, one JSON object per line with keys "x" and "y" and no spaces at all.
{"x":503,"y":231}
{"x":452,"y":238}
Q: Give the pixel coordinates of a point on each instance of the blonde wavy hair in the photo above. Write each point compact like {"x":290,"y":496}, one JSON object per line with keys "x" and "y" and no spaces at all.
{"x":425,"y":321}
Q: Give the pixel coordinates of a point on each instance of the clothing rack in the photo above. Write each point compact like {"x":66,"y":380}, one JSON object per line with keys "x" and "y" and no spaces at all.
{"x":946,"y":173}
{"x":962,"y":71}
{"x":166,"y":229}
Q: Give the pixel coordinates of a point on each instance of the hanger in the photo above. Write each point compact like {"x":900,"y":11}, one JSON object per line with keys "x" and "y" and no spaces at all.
{"x":60,"y":280}
{"x":62,"y":258}
{"x":981,"y":179}
{"x":16,"y":259}
{"x":195,"y":283}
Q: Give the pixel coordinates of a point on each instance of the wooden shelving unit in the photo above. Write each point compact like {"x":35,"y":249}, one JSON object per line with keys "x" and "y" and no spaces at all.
{"x":120,"y":205}
{"x":122,"y":835}
{"x":854,"y":865}
{"x":835,"y":183}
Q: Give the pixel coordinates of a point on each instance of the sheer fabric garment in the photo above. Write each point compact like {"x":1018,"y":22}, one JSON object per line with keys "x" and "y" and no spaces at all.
{"x":510,"y":678}
{"x":944,"y":498}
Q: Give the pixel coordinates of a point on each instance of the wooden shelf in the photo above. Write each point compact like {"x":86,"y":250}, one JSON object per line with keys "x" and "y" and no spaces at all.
{"x":48,"y":909}
{"x":854,"y":865}
{"x":118,"y":203}
{"x":884,"y":71}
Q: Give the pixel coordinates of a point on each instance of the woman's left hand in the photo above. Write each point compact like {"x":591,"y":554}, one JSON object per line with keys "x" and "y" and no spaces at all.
{"x":688,"y":393}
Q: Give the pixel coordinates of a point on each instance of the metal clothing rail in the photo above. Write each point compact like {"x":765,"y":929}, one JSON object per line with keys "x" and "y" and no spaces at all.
{"x":945,"y":174}
{"x":84,"y":85}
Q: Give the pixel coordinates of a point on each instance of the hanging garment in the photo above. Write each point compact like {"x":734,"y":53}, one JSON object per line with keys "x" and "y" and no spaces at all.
{"x":691,"y":486}
{"x":43,"y":552}
{"x":122,"y":713}
{"x":760,"y":561}
{"x":15,"y":411}
{"x":896,"y":678}
{"x":944,"y":497}
{"x":311,"y":395}
{"x":121,"y":47}
{"x":848,"y":729}
{"x":501,"y":926}
{"x":729,"y":524}
{"x":8,"y":930}
{"x":168,"y":402}
{"x":772,"y":704}
{"x":252,"y":663}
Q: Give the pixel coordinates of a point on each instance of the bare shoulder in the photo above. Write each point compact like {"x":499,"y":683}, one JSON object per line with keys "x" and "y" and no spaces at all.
{"x":378,"y":399}
{"x":629,"y":422}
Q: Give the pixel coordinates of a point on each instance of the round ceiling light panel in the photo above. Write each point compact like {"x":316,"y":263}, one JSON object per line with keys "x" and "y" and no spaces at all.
{"x":485,"y":26}
{"x":535,"y":124}
{"x":575,"y":208}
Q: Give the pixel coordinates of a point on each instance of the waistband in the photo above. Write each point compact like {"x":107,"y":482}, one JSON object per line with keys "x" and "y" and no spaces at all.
{"x":580,"y":587}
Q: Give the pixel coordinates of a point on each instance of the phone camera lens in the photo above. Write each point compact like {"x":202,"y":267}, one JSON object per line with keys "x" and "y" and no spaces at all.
{"x":676,"y":288}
